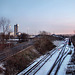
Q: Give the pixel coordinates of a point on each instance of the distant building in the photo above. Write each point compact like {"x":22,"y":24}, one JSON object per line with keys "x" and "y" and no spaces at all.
{"x":12,"y":33}
{"x":19,"y":33}
{"x":15,"y":30}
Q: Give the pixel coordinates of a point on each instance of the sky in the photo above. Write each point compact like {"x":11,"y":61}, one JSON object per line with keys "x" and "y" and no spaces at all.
{"x":54,"y":16}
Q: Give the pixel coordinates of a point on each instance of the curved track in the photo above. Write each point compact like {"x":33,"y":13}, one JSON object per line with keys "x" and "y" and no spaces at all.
{"x":56,"y":66}
{"x":40,"y":63}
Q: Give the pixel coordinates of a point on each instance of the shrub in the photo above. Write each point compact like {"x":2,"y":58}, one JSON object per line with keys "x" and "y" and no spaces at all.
{"x":20,"y":61}
{"x":73,"y":40}
{"x":43,"y":45}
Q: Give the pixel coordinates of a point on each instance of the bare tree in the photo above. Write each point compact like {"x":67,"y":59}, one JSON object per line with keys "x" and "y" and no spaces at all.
{"x":4,"y":25}
{"x":43,"y":33}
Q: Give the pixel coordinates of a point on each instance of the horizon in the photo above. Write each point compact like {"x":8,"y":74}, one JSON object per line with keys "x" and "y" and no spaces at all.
{"x":56,"y":17}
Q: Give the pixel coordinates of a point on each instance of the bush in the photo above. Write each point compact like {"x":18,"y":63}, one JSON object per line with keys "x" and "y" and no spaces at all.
{"x":23,"y":37}
{"x":43,"y":45}
{"x":73,"y":40}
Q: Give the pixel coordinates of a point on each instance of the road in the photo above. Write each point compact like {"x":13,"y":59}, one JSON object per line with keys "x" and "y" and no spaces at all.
{"x":52,"y":63}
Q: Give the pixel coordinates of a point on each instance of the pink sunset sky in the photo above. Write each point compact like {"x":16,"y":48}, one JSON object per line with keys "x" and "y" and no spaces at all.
{"x":54,"y":16}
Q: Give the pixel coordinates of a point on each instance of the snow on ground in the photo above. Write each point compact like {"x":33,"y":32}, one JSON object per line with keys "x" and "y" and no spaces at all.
{"x":44,"y":70}
{"x":1,"y":65}
{"x":3,"y":68}
{"x":62,"y":70}
{"x":35,"y":61}
{"x":46,"y":67}
{"x":57,"y":43}
{"x":48,"y":62}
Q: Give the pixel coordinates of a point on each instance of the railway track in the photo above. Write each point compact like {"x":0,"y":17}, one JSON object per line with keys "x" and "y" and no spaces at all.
{"x":56,"y":66}
{"x":40,"y":63}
